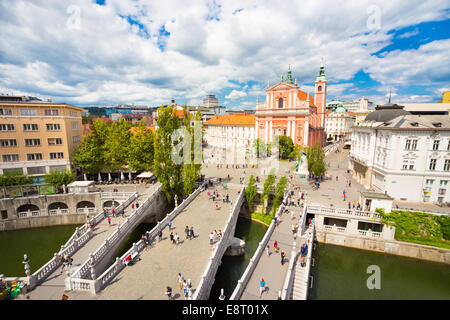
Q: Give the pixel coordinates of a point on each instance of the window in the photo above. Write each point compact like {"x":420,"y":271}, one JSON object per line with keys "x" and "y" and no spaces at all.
{"x":54,"y":141}
{"x":405,"y":166}
{"x":32,"y":142}
{"x":28,"y":112}
{"x":56,"y":155}
{"x":73,"y":114}
{"x":319,"y":88}
{"x":53,"y":127}
{"x":280,"y":103}
{"x":436,"y":145}
{"x":408,"y":144}
{"x":8,"y":143}
{"x":429,"y":182}
{"x":414,"y":145}
{"x":10,"y":157}
{"x":76,"y":139}
{"x":432,"y":164}
{"x":443,"y":183}
{"x":34,"y":156}
{"x":75,"y":125}
{"x":5,"y":112}
{"x":447,"y":165}
{"x":7,"y":127}
{"x":30,"y":127}
{"x":51,"y":112}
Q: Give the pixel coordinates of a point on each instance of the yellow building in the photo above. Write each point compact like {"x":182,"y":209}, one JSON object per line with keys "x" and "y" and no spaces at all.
{"x":37,"y":136}
{"x":446,"y":97}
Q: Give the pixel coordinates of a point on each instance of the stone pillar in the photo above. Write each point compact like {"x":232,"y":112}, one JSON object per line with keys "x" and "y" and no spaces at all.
{"x":352,"y":227}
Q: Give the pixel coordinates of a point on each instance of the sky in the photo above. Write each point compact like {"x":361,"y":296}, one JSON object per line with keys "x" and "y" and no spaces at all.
{"x":109,"y":52}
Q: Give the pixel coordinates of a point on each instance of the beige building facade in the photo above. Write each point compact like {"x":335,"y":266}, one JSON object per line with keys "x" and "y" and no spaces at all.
{"x":37,"y":136}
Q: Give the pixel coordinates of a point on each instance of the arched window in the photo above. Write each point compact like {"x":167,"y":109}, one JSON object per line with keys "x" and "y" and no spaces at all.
{"x":319,"y":88}
{"x":280,"y":103}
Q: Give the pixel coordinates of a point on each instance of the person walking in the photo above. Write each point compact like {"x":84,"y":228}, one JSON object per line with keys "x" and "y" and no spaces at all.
{"x":171,"y":238}
{"x":211,"y":238}
{"x":137,"y":205}
{"x":283,"y":256}
{"x":180,"y":280}
{"x":185,"y":289}
{"x":275,"y":246}
{"x":159,"y":235}
{"x":262,"y":287}
{"x":191,"y":233}
{"x":109,"y":221}
{"x":169,"y":292}
{"x":170,"y":225}
{"x":177,"y":238}
{"x":268,"y":250}
{"x":187,"y":231}
{"x":132,"y":206}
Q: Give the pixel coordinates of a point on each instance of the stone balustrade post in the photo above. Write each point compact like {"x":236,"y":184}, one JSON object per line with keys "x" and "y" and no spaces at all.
{"x":107,"y":243}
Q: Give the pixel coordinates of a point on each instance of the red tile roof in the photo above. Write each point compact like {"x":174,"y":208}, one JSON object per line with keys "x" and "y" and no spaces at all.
{"x":238,"y":119}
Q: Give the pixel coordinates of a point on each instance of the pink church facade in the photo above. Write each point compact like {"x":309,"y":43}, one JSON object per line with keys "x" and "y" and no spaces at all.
{"x":292,"y":112}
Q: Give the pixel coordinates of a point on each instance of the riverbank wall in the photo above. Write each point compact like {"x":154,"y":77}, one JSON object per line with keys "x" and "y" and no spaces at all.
{"x":399,"y":248}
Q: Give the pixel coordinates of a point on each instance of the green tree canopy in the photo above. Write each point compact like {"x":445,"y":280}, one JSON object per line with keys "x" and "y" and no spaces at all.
{"x":15,"y":178}
{"x":316,"y":158}
{"x":286,"y":146}
{"x":279,"y":193}
{"x":117,"y":145}
{"x":59,"y":177}
{"x":141,"y":148}
{"x":251,"y":192}
{"x":267,"y":188}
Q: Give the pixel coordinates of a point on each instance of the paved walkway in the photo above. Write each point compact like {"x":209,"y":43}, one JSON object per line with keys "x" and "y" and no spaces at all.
{"x":160,"y":264}
{"x":53,"y":287}
{"x":269,"y":267}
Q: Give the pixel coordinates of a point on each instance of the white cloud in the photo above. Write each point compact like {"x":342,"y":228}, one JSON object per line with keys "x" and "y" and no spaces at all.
{"x":235,"y":94}
{"x":107,"y":60}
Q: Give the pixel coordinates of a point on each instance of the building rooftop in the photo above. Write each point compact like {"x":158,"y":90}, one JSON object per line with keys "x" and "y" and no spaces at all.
{"x":418,"y":122}
{"x":375,"y":195}
{"x":239,"y":119}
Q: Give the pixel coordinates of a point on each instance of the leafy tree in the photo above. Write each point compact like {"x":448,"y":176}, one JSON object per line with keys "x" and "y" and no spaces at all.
{"x":117,"y":145}
{"x":168,"y":172}
{"x":316,"y":157}
{"x":15,"y":178}
{"x":59,"y":178}
{"x":268,"y":186}
{"x":250,"y":192}
{"x":141,"y":149}
{"x":279,"y":193}
{"x":286,"y":146}
{"x":191,"y":167}
{"x":90,"y":155}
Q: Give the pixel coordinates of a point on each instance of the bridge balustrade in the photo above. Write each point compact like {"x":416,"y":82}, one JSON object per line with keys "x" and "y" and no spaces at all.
{"x":242,"y":283}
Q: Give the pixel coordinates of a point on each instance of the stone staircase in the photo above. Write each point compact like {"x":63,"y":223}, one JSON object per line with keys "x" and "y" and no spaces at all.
{"x":299,"y":287}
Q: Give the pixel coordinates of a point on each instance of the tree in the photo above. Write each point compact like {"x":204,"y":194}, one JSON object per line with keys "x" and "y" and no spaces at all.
{"x":191,"y":166}
{"x":250,"y":192}
{"x":141,"y":149}
{"x":286,"y":146}
{"x":279,"y":193}
{"x":268,"y":186}
{"x":59,"y":178}
{"x":90,"y":155}
{"x":117,"y":145}
{"x":168,"y":172}
{"x":316,"y":157}
{"x":15,"y":178}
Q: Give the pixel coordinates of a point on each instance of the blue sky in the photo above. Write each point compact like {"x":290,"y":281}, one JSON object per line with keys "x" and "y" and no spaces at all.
{"x":107,"y":52}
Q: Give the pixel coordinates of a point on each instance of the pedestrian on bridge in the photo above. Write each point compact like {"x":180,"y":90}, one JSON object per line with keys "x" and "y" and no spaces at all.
{"x":262,"y":287}
{"x":188,"y":232}
{"x":180,"y":280}
{"x":275,"y":246}
{"x":191,"y":233}
{"x":170,"y":225}
{"x":172,"y":238}
{"x":268,"y":250}
{"x":159,"y":235}
{"x":283,"y":257}
{"x":177,"y":238}
{"x":109,"y":221}
{"x":169,"y":293}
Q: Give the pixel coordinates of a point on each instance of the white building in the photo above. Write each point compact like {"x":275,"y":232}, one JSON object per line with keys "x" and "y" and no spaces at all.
{"x":229,"y":138}
{"x":338,"y":124}
{"x":405,"y":156}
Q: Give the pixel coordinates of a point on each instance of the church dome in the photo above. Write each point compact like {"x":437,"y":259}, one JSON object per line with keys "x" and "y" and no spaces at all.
{"x":386,"y":112}
{"x":340,"y":109}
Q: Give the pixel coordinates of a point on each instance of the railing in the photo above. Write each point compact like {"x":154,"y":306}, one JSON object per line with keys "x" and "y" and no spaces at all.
{"x":86,"y":210}
{"x":342,"y":212}
{"x":334,"y":228}
{"x":27,"y":214}
{"x":371,"y":234}
{"x":58,"y":211}
{"x":242,"y":283}
{"x":308,"y":261}
{"x":214,"y":262}
{"x":118,"y":265}
{"x":115,"y":195}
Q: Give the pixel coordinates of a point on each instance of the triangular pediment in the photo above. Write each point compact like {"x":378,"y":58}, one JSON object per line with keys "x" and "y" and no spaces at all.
{"x":282,"y":86}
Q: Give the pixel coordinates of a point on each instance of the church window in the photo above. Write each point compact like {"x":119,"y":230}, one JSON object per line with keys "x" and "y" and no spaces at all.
{"x":319,"y":88}
{"x":280,"y":103}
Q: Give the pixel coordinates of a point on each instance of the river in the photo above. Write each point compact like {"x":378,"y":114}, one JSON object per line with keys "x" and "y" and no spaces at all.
{"x":341,"y":273}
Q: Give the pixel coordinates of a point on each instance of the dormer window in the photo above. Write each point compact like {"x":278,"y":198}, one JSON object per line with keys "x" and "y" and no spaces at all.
{"x":414,"y":124}
{"x":437,"y":124}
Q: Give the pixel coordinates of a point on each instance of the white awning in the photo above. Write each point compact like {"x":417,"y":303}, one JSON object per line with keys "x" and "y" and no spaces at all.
{"x":146,"y":174}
